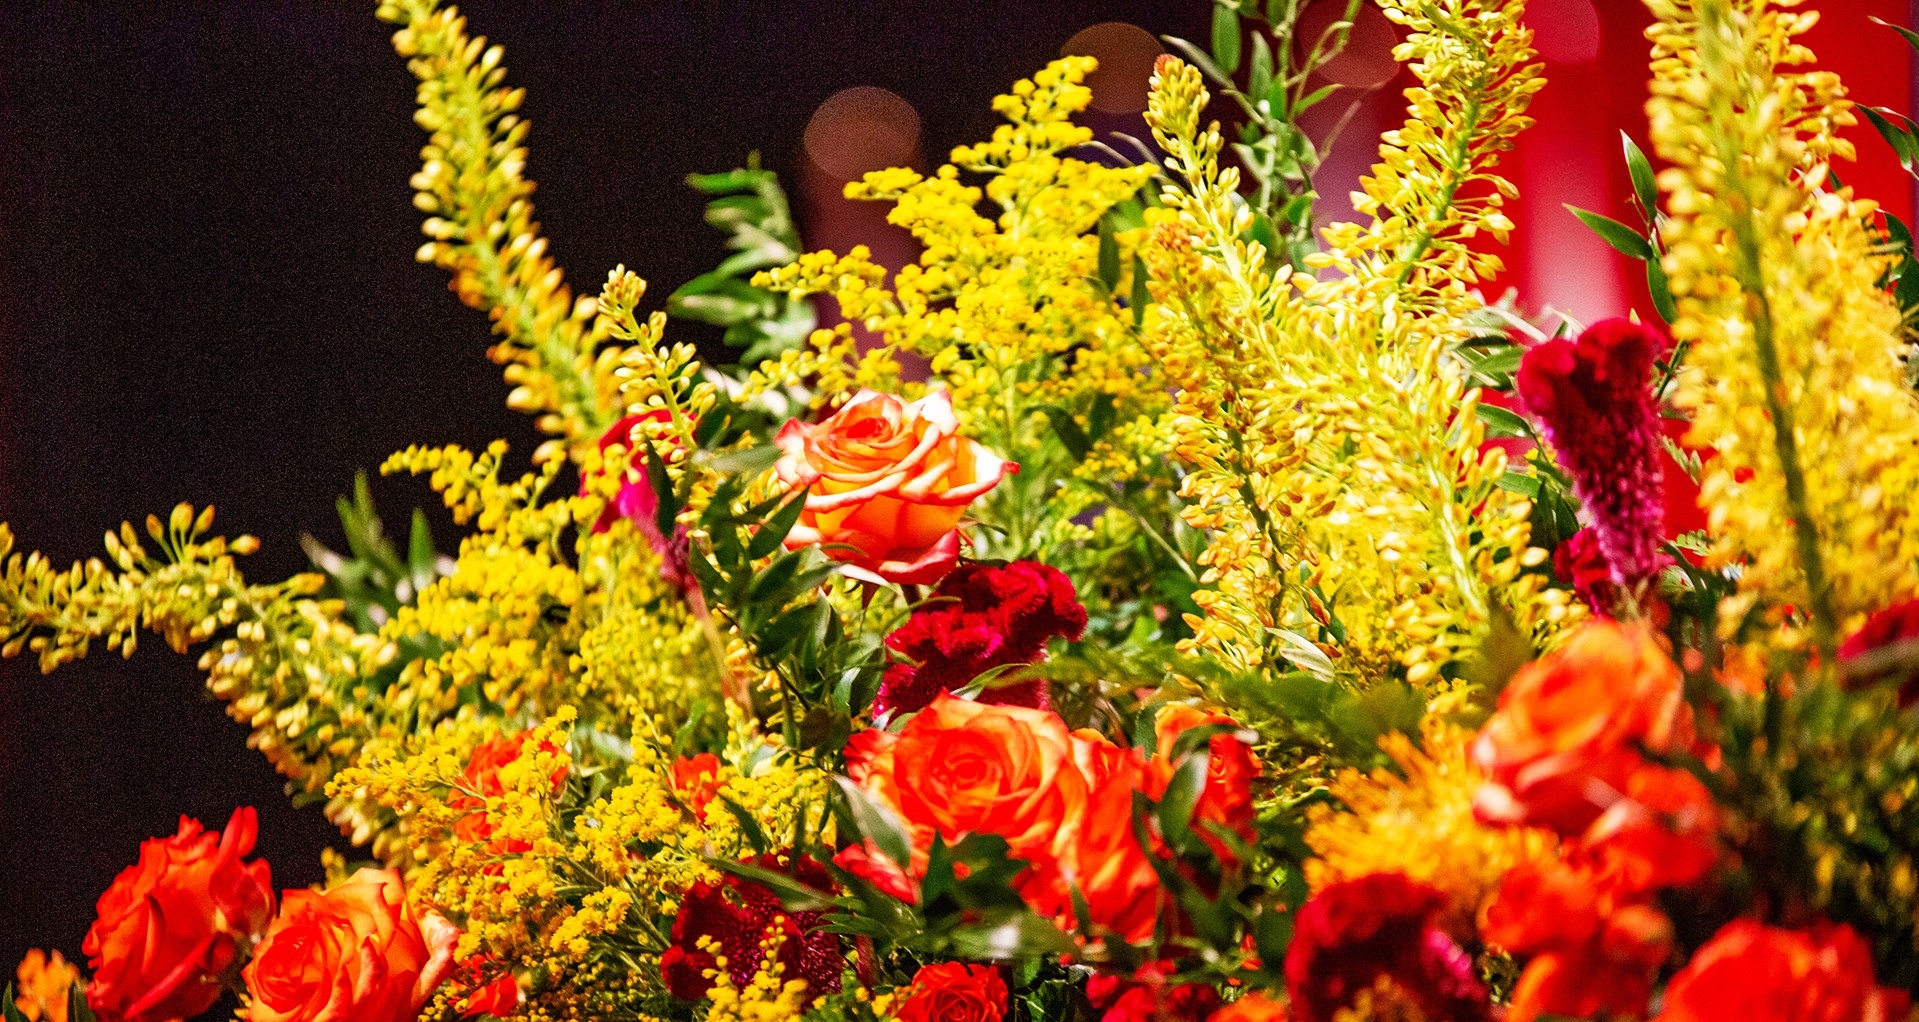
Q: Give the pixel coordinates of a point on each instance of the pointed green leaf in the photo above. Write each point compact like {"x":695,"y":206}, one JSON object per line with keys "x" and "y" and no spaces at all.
{"x":1912,"y":38}
{"x":1621,"y":237}
{"x":1226,"y":39}
{"x":1661,"y":291}
{"x":1024,"y":935}
{"x":748,"y":825}
{"x":1140,"y":298}
{"x":1904,"y":145}
{"x":420,"y":554}
{"x":1308,"y":101}
{"x":1182,"y":797}
{"x":795,"y":896}
{"x":1502,"y":422}
{"x":1108,"y":255}
{"x":774,"y":532}
{"x":1643,"y":185}
{"x":1260,"y":78}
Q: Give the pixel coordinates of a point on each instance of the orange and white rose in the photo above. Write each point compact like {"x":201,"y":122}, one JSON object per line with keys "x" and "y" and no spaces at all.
{"x":887,"y":483}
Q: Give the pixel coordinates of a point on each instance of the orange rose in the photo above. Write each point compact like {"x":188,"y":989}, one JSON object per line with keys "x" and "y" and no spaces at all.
{"x":172,"y":922}
{"x":1227,"y":801}
{"x":1758,"y":973}
{"x":961,"y":767}
{"x":356,"y":953}
{"x":1112,"y":871}
{"x":887,"y":483}
{"x":954,"y":992}
{"x":1570,"y":727}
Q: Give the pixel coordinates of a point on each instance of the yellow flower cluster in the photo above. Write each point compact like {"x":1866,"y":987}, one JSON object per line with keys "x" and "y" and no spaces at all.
{"x":1419,"y":821}
{"x":1010,"y":309}
{"x":766,"y":998}
{"x":1792,"y":378}
{"x":44,"y":986}
{"x":1334,"y":449}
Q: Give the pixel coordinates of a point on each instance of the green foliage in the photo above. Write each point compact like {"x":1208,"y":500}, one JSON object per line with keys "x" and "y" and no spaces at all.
{"x":1272,"y":94}
{"x":373,"y":581}
{"x":752,"y":208}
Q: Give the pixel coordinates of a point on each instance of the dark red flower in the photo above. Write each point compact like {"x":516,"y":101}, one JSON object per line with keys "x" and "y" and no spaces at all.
{"x":1594,"y":402}
{"x":1353,"y":932}
{"x":1896,"y":624}
{"x":736,"y":914}
{"x":982,"y":616}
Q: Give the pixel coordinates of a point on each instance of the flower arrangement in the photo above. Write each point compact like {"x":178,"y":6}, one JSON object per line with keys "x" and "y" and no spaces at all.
{"x":1178,"y":645}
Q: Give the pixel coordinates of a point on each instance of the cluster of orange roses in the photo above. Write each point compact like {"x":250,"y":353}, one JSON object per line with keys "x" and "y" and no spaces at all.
{"x":173,"y":928}
{"x":1061,"y":799}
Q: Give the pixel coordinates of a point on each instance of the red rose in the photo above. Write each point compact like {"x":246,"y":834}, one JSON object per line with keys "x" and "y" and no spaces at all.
{"x":1567,"y":736}
{"x":1113,"y":873}
{"x":355,"y":953}
{"x":1591,"y":947}
{"x":735,"y":914}
{"x":1355,"y":931}
{"x":1147,"y":997}
{"x":172,"y":922}
{"x":887,"y":482}
{"x":954,"y":992}
{"x":1757,"y":973}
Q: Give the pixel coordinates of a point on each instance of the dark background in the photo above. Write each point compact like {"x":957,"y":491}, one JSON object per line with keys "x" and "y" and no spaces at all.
{"x":207,"y":293}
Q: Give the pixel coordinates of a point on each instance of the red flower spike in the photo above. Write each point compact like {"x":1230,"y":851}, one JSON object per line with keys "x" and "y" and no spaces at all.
{"x":1353,"y":932}
{"x":1594,"y":403}
{"x":982,"y":616}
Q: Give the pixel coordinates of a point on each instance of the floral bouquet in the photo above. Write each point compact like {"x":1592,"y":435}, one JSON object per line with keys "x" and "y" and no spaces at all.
{"x":1151,"y":604}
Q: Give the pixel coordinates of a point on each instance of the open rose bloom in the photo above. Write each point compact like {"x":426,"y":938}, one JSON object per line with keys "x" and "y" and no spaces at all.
{"x":355,"y":953}
{"x":887,"y":483}
{"x":174,"y":921}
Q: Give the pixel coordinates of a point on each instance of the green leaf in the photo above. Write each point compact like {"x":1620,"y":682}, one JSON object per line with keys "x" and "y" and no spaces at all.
{"x":774,"y":532}
{"x":794,"y":895}
{"x":1260,"y":78}
{"x":1503,"y":422}
{"x":1621,"y":237}
{"x":1197,"y":57}
{"x":420,"y":554}
{"x":1108,"y":255}
{"x":1643,"y":185}
{"x":877,"y":823}
{"x":1182,"y":797}
{"x":1306,"y":102}
{"x":1661,"y":291}
{"x":1226,"y":38}
{"x":1904,"y":145}
{"x":9,"y":1013}
{"x":1912,"y":38}
{"x":1023,"y":935}
{"x":748,"y":825}
{"x":1072,"y":437}
{"x":1140,"y":298}
{"x":1519,"y":482}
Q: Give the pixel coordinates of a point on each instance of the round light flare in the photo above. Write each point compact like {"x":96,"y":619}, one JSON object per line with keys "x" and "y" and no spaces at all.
{"x":861,"y":129}
{"x":1366,"y":61}
{"x":1126,"y":54}
{"x":1564,"y":31}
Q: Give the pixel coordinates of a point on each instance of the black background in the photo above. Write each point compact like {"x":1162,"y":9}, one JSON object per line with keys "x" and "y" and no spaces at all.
{"x":207,"y":293}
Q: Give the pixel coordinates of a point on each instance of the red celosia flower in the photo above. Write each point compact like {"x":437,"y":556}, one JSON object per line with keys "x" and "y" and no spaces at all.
{"x":1896,"y":624}
{"x":736,"y":914}
{"x":954,"y":992}
{"x":1594,"y":403}
{"x":1353,"y":932}
{"x":982,"y":616}
{"x":1147,"y":997}
{"x":1757,"y":973}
